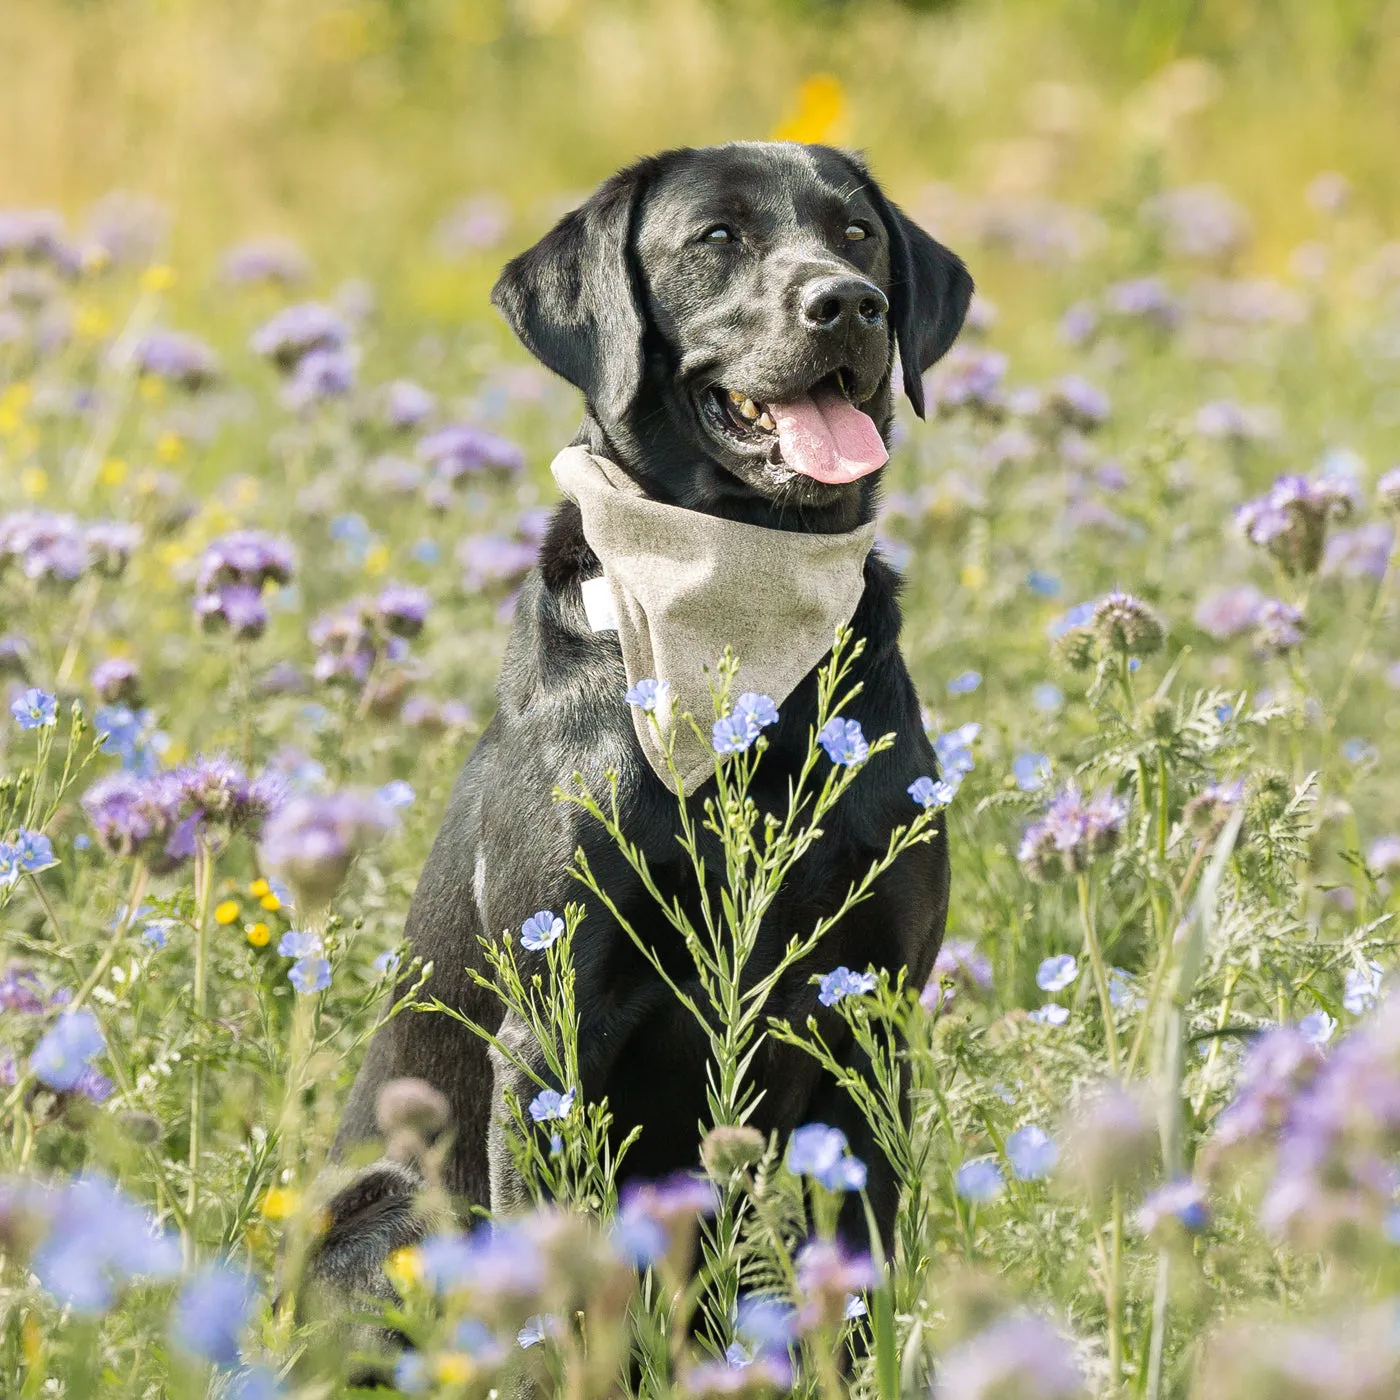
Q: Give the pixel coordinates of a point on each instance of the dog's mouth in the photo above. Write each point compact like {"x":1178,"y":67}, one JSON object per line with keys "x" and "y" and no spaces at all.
{"x":822,"y":433}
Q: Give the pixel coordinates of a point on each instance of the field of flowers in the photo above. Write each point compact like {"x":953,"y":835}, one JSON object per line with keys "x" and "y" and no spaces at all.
{"x":262,"y":522}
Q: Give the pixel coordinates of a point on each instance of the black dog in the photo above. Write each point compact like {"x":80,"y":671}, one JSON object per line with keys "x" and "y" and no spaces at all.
{"x":783,"y":274}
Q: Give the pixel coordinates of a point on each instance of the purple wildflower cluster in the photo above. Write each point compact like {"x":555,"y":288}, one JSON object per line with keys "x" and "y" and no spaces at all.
{"x":310,"y":344}
{"x":1290,"y":520}
{"x":312,"y":840}
{"x":1072,"y":835}
{"x":160,"y":818}
{"x":1019,"y":1355}
{"x":232,"y":575}
{"x":58,"y":549}
{"x":460,"y":452}
{"x":177,"y":358}
{"x":350,"y":640}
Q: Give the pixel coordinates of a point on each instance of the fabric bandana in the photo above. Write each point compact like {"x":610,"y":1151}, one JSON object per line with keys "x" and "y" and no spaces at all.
{"x":684,"y":585}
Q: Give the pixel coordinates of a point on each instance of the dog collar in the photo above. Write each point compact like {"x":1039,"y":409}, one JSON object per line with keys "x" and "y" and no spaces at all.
{"x":678,"y":586}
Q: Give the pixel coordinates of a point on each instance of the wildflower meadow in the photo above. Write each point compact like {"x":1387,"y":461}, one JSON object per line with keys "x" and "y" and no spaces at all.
{"x":271,"y":475}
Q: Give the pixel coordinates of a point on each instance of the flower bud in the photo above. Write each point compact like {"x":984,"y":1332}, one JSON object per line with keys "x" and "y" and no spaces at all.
{"x":1126,"y":624}
{"x":411,"y":1105}
{"x":727,"y":1150}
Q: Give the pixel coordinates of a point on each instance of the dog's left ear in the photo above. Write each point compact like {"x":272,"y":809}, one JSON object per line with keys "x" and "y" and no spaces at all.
{"x":929,"y":294}
{"x":572,"y":301}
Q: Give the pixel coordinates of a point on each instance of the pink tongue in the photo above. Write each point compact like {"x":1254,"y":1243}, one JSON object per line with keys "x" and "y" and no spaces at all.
{"x":828,"y":438}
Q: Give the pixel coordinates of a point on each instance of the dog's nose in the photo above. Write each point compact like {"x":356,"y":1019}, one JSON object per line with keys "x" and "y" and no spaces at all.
{"x":840,"y":303}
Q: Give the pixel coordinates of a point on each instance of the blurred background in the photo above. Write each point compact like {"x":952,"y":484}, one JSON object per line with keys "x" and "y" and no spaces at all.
{"x":403,"y":139}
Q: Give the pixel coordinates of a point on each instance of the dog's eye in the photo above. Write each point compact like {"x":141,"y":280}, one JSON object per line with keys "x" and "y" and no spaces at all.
{"x":721,"y":233}
{"x":855,"y":232}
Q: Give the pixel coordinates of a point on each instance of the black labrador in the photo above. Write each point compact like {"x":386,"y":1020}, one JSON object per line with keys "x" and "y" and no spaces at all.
{"x":689,"y":283}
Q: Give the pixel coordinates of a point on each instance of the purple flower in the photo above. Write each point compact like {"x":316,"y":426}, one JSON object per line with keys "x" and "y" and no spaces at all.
{"x":309,"y":975}
{"x":969,"y":377}
{"x":1031,"y":771}
{"x":1201,"y":222}
{"x":494,"y":560}
{"x":1051,"y":1014}
{"x":396,"y":795}
{"x":236,"y":606}
{"x":1146,"y":299}
{"x":20,"y":990}
{"x":110,"y":545}
{"x":828,"y":1277}
{"x":319,"y":375}
{"x":1032,"y":1153}
{"x":460,"y":450}
{"x":1072,"y":834}
{"x":177,"y":358}
{"x":549,"y":1104}
{"x":1317,"y":1027}
{"x":843,"y":741}
{"x":299,"y":944}
{"x":35,"y":709}
{"x":657,"y":1219}
{"x":958,"y":961}
{"x":402,"y":609}
{"x":98,"y":1240}
{"x":1278,"y":626}
{"x":965,"y":683}
{"x":1363,"y":986}
{"x":766,"y":1323}
{"x":979,"y":1180}
{"x":1290,"y":520}
{"x":117,"y":681}
{"x":1179,"y":1204}
{"x":252,"y":558}
{"x":1078,"y":403}
{"x":298,"y":330}
{"x":407,"y":405}
{"x":1020,"y":1355}
{"x":1226,"y":612}
{"x":10,"y":870}
{"x":1055,"y":974}
{"x":211,"y":1312}
{"x":1360,"y":553}
{"x":540,"y":930}
{"x":65,"y":1049}
{"x":843,"y":983}
{"x":823,"y":1154}
{"x":311,"y":840}
{"x":273,"y":260}
{"x":1388,"y":492}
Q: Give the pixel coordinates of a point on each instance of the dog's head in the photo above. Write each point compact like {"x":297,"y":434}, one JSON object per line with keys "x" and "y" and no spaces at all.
{"x":731,"y":315}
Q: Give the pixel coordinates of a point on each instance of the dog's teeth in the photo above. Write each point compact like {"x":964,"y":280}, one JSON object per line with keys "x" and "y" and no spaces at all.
{"x":765,"y":421}
{"x":735,"y":396}
{"x":749,"y":409}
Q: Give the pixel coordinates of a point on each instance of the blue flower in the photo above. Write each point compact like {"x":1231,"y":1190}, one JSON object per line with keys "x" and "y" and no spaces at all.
{"x":62,"y":1055}
{"x":823,"y":1154}
{"x":1032,"y":1152}
{"x":766,"y":1323}
{"x":1055,"y":974}
{"x":395,"y":795}
{"x":211,"y":1313}
{"x":650,"y":695}
{"x":153,"y":935}
{"x":540,"y":930}
{"x":1182,"y":1201}
{"x":855,"y":1307}
{"x":535,"y":1330}
{"x":737,"y":731}
{"x":979,"y":1180}
{"x":34,"y":851}
{"x":1031,"y":771}
{"x":256,"y":1383}
{"x":1121,"y":991}
{"x":843,"y":741}
{"x":550,"y":1103}
{"x":1317,"y":1027}
{"x":310,"y":975}
{"x":843,"y":982}
{"x":1051,"y":1014}
{"x":387,"y":962}
{"x":1047,"y":585}
{"x":35,"y":709}
{"x":1048,"y":697}
{"x":10,"y":868}
{"x":1077,"y":616}
{"x":1363,"y":988}
{"x":299,"y":945}
{"x":929,"y":794}
{"x":965,"y":684}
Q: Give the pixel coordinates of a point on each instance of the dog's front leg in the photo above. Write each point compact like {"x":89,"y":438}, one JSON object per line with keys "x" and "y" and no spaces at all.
{"x":511,"y":1068}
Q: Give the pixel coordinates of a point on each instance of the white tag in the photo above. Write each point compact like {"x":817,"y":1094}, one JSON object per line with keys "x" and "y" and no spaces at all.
{"x":598,"y":604}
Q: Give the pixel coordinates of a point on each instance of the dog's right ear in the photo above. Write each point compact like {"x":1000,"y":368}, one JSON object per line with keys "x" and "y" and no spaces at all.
{"x":572,"y":299}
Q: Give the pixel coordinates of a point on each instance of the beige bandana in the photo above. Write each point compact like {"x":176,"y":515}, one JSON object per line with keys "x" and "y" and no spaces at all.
{"x":684,"y":585}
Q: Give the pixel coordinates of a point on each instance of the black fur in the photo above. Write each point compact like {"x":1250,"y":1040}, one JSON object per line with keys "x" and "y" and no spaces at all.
{"x":625,"y":300}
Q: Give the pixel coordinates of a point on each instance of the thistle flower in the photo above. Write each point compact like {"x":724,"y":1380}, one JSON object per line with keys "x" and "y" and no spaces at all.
{"x":1207,"y":812}
{"x":311,"y":841}
{"x":1290,"y":520}
{"x":117,"y":681}
{"x":1126,"y":624}
{"x":402,"y":609}
{"x":728,"y":1149}
{"x":1278,"y":626}
{"x":177,"y":359}
{"x":1072,"y":835}
{"x":296,"y":331}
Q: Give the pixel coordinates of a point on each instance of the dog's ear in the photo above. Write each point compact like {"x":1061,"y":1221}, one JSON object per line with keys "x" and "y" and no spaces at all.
{"x":572,"y":300}
{"x":929,"y":293}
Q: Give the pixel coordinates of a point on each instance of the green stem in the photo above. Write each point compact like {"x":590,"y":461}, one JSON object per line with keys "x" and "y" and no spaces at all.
{"x":1091,"y":943}
{"x":204,"y":897}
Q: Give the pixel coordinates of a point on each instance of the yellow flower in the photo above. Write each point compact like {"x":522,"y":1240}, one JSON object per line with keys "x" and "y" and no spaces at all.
{"x":280,"y":1202}
{"x":34,"y":481}
{"x":821,"y":103}
{"x":91,"y":322}
{"x":114,"y":471}
{"x":270,"y":902}
{"x":169,"y":446}
{"x":259,"y":934}
{"x":152,"y":389}
{"x":404,"y":1266}
{"x":226,"y":912}
{"x":454,"y":1366}
{"x":159,"y":278}
{"x":259,"y":888}
{"x":376,"y":559}
{"x":974,"y":577}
